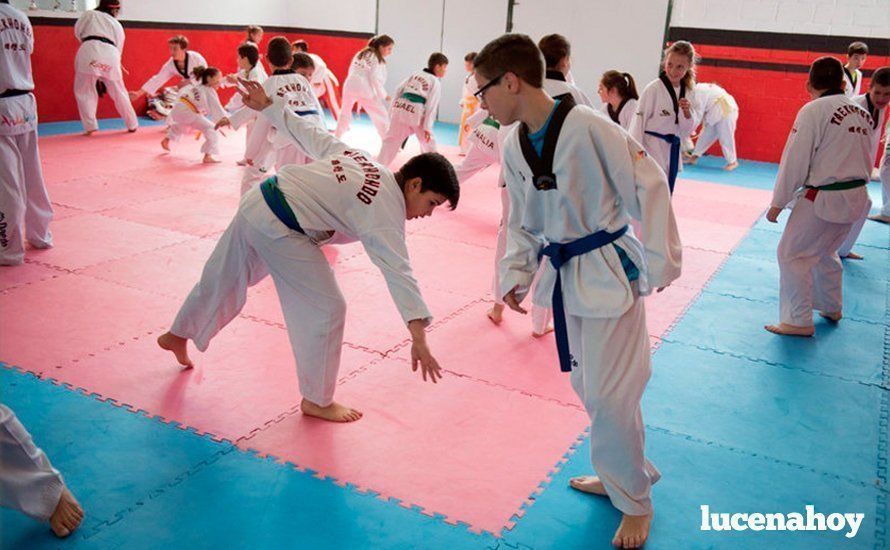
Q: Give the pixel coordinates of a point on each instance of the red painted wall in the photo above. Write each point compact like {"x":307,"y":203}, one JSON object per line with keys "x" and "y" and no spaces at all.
{"x":145,"y":51}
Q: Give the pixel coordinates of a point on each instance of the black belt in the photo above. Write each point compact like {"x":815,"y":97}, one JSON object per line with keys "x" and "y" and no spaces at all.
{"x":13,"y":93}
{"x":99,"y":38}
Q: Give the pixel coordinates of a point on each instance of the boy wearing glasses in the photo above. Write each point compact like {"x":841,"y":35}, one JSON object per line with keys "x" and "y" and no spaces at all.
{"x":574,"y":180}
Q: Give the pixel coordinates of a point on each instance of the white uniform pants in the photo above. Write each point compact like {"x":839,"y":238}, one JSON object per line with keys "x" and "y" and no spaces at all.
{"x":313,"y":306}
{"x":373,"y":106}
{"x":885,"y":181}
{"x":723,"y":131}
{"x":855,"y":230}
{"x":474,"y":162}
{"x":181,"y":120}
{"x":28,"y":482}
{"x":25,"y":210}
{"x":611,"y":371}
{"x":396,"y":135}
{"x":811,"y":273}
{"x":88,"y":100}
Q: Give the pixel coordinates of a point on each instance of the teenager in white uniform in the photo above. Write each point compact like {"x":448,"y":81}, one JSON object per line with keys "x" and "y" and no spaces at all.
{"x":558,"y":55}
{"x":279,"y":229}
{"x":857,"y":53}
{"x":97,"y":65}
{"x":181,"y":65}
{"x":364,"y":85}
{"x":468,"y":104}
{"x":884,"y":215}
{"x":249,"y":68}
{"x":575,"y":177}
{"x":822,"y":176}
{"x":198,"y":108}
{"x":414,"y":109}
{"x":324,"y":82}
{"x":665,"y":116}
{"x":25,"y":210}
{"x":719,"y":114}
{"x":618,"y":92}
{"x":875,"y":102}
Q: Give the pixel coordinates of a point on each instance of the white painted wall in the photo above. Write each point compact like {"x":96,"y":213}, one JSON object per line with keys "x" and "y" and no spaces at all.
{"x":860,"y":18}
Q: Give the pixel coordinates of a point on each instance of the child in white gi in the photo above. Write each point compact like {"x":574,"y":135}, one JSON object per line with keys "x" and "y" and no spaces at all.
{"x":884,"y":215}
{"x":25,"y":209}
{"x":279,"y":229}
{"x":664,"y":116}
{"x":468,"y":104}
{"x":719,"y":114}
{"x":558,"y":55}
{"x":575,"y":179}
{"x":875,"y":101}
{"x":618,"y":92}
{"x":364,"y":85}
{"x":857,"y":53}
{"x":324,"y":82}
{"x":181,"y":66}
{"x":414,"y":109}
{"x":198,"y":108}
{"x":28,"y":482}
{"x":822,"y":176}
{"x":249,"y":68}
{"x":97,"y":66}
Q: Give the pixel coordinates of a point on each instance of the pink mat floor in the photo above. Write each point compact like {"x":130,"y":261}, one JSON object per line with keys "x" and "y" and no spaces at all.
{"x":132,"y":230}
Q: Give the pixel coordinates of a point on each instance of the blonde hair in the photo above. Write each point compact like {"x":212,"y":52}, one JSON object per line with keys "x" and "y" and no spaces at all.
{"x":684,"y":48}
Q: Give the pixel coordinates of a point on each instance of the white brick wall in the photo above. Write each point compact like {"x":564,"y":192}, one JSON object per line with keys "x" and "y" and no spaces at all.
{"x":859,"y":18}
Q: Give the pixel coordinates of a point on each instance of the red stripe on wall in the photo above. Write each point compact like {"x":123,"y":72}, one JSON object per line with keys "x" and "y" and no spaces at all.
{"x":145,"y":50}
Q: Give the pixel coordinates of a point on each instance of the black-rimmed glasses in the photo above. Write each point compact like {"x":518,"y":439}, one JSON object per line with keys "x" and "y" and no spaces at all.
{"x":480,"y":95}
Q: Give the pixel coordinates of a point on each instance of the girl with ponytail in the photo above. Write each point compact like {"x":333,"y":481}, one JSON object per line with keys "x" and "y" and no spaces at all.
{"x":364,"y":85}
{"x":618,"y":92}
{"x":198,"y":108}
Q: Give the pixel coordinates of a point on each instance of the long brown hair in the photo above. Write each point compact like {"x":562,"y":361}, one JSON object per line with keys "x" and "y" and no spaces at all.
{"x":684,"y":48}
{"x":375,"y":44}
{"x":623,"y":82}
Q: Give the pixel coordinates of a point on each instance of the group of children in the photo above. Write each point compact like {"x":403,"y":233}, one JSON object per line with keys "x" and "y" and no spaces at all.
{"x":587,"y":231}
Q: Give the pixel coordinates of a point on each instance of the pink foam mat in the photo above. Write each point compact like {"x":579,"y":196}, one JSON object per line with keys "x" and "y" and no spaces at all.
{"x":459,"y":448}
{"x":191,"y":213}
{"x":101,"y":192}
{"x":13,"y":276}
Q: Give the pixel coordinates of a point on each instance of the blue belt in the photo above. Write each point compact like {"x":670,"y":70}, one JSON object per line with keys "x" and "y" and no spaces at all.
{"x":674,"y":166}
{"x":306,"y":113}
{"x":277,"y":203}
{"x":559,"y":254}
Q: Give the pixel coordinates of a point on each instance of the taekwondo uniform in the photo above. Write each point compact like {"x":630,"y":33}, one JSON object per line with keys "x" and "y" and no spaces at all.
{"x":822,"y":176}
{"x":580,"y":180}
{"x":256,"y":74}
{"x":414,"y":109}
{"x":661,"y":126}
{"x":624,"y":115}
{"x":364,"y":86}
{"x":557,"y":86}
{"x":279,"y":229}
{"x":98,"y":63}
{"x":879,"y":121}
{"x":324,"y":84}
{"x":854,"y":82}
{"x":171,"y":70}
{"x":25,"y":209}
{"x":719,"y":114}
{"x":469,"y":105}
{"x":195,"y":104}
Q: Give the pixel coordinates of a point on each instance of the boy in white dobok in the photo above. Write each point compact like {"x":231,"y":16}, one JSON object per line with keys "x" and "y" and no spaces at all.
{"x":857,"y":53}
{"x":575,"y":179}
{"x":718,"y":113}
{"x":25,"y":210}
{"x":414,"y":108}
{"x":822,"y":176}
{"x":181,"y":65}
{"x":97,"y":66}
{"x":558,"y":56}
{"x":279,"y":229}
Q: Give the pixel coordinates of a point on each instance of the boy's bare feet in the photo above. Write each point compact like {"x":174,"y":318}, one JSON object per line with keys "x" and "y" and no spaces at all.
{"x":632,"y":532}
{"x":879,"y":218}
{"x":335,"y":412}
{"x":731,"y":166}
{"x":833,"y":317}
{"x":88,"y":133}
{"x":67,"y":516}
{"x":852,"y":256}
{"x":165,"y":144}
{"x":547,"y":330}
{"x":496,"y":313}
{"x":588,"y":484}
{"x":179,"y":347}
{"x":690,"y":159}
{"x":208,"y":159}
{"x":785,"y":329}
{"x":132,"y":130}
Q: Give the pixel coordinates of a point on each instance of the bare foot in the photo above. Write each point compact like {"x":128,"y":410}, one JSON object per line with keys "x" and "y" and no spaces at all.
{"x":88,"y":133}
{"x":852,"y":256}
{"x":731,"y":166}
{"x":243,"y":162}
{"x":132,"y":130}
{"x":832,"y":317}
{"x":496,"y":314}
{"x":208,"y":159}
{"x":879,"y":218}
{"x":335,"y":412}
{"x":691,"y":159}
{"x":633,"y":531}
{"x":588,"y":484}
{"x":165,"y":144}
{"x":785,"y":329}
{"x":547,"y":330}
{"x":179,"y":347}
{"x":67,"y":516}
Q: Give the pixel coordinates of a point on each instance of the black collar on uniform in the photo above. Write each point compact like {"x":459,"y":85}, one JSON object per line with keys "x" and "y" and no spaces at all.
{"x":543,"y":177}
{"x":613,"y":114}
{"x":676,"y":101}
{"x":426,"y":70}
{"x":184,"y":72}
{"x":850,"y":75}
{"x":283,"y":71}
{"x":873,"y":111}
{"x":553,"y":74}
{"x":836,"y":91}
